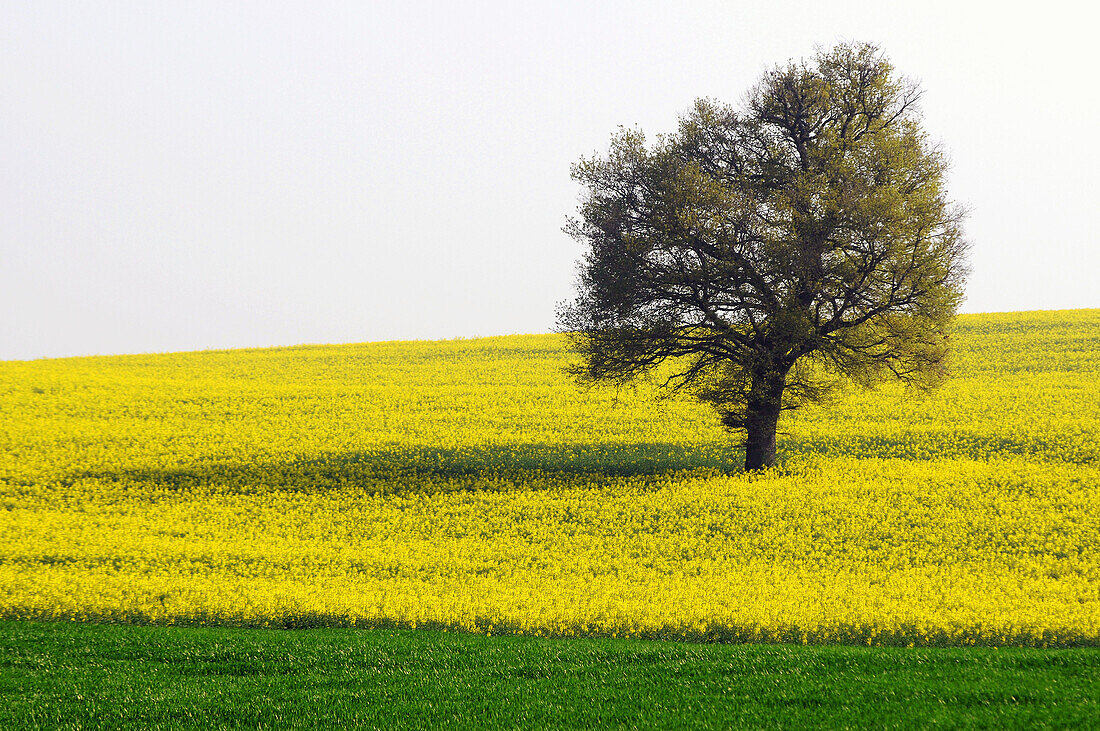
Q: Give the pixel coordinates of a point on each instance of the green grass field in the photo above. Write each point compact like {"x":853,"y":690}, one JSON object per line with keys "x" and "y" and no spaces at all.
{"x":101,"y":676}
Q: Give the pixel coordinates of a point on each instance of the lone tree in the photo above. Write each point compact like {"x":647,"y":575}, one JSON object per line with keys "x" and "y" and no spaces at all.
{"x":767,"y":253}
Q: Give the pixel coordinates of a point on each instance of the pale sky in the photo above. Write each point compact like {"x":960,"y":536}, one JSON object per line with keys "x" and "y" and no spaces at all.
{"x":184,"y":176}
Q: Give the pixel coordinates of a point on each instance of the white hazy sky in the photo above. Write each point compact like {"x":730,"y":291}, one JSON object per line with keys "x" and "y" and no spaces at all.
{"x":181,"y":176}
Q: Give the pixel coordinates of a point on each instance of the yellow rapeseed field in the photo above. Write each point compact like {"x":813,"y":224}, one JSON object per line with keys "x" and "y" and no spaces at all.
{"x":469,"y":485}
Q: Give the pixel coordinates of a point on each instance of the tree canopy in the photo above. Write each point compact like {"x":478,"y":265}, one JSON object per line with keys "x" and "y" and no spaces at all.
{"x":768,"y":252}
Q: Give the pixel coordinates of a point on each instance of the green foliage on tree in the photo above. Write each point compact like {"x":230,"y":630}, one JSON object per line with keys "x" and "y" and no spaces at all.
{"x":774,"y":250}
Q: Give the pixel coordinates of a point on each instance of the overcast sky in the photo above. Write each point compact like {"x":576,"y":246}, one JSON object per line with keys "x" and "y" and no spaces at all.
{"x":183,"y":176}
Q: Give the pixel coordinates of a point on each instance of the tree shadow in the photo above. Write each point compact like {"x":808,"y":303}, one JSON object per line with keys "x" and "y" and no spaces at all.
{"x":501,"y":467}
{"x":396,"y":469}
{"x":947,"y":444}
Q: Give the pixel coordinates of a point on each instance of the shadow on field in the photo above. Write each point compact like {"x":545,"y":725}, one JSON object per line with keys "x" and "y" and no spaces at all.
{"x":1047,"y":446}
{"x":398,"y":468}
{"x":434,"y":469}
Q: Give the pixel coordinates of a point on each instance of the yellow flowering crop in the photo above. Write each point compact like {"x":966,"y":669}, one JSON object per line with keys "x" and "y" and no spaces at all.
{"x":469,"y":485}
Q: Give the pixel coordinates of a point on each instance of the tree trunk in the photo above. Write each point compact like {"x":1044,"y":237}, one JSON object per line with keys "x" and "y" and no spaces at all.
{"x":760,"y":446}
{"x":762,"y":418}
